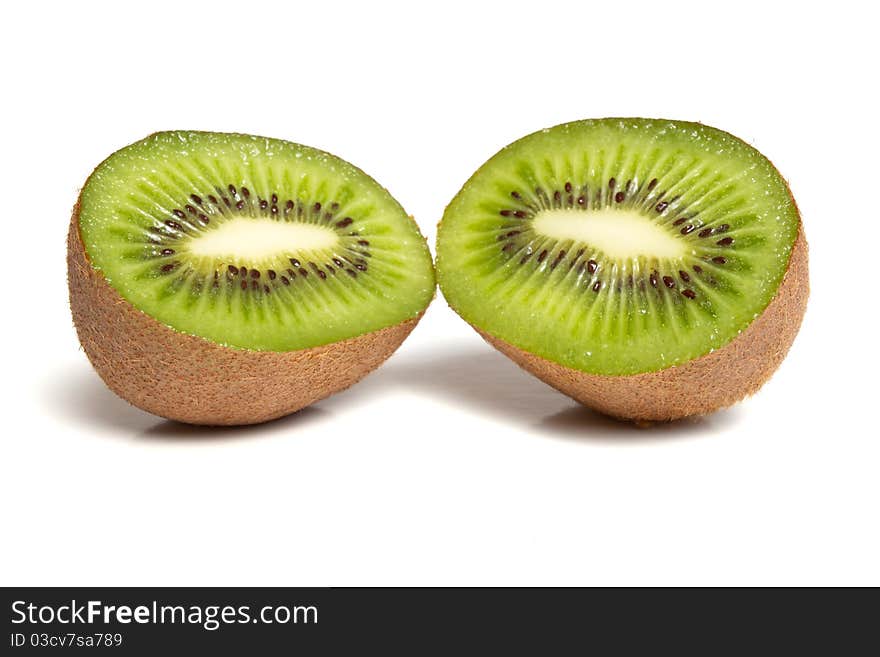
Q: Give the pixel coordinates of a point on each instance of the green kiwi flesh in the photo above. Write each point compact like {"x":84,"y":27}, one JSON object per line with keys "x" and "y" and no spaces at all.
{"x":618,"y":246}
{"x":252,"y":243}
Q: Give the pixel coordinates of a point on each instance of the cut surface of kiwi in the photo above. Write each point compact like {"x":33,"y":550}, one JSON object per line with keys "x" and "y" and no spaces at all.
{"x":620,"y":247}
{"x":231,"y":279}
{"x":251,"y":242}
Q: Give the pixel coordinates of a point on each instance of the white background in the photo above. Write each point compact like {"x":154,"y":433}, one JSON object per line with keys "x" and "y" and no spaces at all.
{"x":448,"y":465}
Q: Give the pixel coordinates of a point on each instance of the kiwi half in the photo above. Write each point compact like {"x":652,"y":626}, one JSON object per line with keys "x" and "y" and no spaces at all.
{"x":651,"y":269}
{"x":231,"y":279}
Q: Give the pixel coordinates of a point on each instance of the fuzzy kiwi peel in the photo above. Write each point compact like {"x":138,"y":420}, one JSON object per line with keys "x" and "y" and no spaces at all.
{"x":225,"y":279}
{"x":649,"y":269}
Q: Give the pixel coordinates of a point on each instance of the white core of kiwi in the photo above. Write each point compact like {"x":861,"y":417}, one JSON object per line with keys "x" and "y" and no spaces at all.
{"x":255,"y":240}
{"x":620,"y":234}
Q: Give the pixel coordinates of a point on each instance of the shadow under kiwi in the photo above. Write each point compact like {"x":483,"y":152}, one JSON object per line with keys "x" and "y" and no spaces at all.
{"x":78,"y":394}
{"x":476,"y":377}
{"x":469,"y":375}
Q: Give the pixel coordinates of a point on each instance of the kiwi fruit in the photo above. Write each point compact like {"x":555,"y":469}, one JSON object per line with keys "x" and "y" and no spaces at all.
{"x":228,"y":279}
{"x":650,"y":269}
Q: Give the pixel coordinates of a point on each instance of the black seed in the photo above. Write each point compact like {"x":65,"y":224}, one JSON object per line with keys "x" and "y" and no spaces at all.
{"x":364,"y":242}
{"x":232,"y":189}
{"x":232,"y":269}
{"x":508,"y":246}
{"x":569,"y":201}
{"x":727,"y":241}
{"x":255,"y":285}
{"x":629,"y":185}
{"x":698,"y":269}
{"x":263,"y":204}
{"x":705,"y":232}
{"x":568,"y":187}
{"x":679,"y":221}
{"x":274,"y":209}
{"x":227,"y":202}
{"x":245,"y":192}
{"x":294,"y":262}
{"x":288,"y":205}
{"x":167,"y":252}
{"x":243,"y":271}
{"x":525,"y":258}
{"x":542,"y":255}
{"x":361,"y":266}
{"x":684,"y":275}
{"x":196,"y":199}
{"x":619,"y":196}
{"x":272,"y":274}
{"x":171,"y":266}
{"x":690,"y":294}
{"x":559,"y":258}
{"x":244,"y":285}
{"x":669,"y":282}
{"x":592,"y":266}
{"x":338,"y":262}
{"x":240,"y":205}
{"x":661,"y":206}
{"x":515,"y":195}
{"x":303,"y":273}
{"x":611,"y":183}
{"x":348,"y":221}
{"x":506,"y":213}
{"x":687,"y":229}
{"x":321,"y":274}
{"x":652,"y":184}
{"x":722,"y":228}
{"x":334,"y":206}
{"x":582,"y":200}
{"x":173,"y":225}
{"x":284,"y":280}
{"x":213,"y":199}
{"x":653,"y":279}
{"x":557,"y":197}
{"x":316,"y":207}
{"x":719,"y":260}
{"x":274,"y":199}
{"x":519,"y":214}
{"x":191,"y":209}
{"x":178,"y":213}
{"x":597,"y":286}
{"x":266,"y":289}
{"x":292,"y":273}
{"x":351,"y":273}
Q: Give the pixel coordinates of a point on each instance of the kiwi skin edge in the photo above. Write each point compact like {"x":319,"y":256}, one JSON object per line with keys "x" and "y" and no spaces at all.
{"x":189,"y":379}
{"x":713,"y":381}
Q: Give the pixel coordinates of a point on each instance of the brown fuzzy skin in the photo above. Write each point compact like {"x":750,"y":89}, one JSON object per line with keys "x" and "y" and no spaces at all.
{"x":189,"y":379}
{"x":701,"y":386}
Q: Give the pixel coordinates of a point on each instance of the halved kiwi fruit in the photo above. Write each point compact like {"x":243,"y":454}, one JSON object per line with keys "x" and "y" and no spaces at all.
{"x":651,"y":269}
{"x":231,"y":279}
